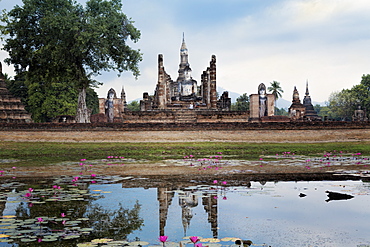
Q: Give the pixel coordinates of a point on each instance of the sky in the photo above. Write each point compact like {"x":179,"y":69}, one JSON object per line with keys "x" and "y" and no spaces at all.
{"x":324,"y":42}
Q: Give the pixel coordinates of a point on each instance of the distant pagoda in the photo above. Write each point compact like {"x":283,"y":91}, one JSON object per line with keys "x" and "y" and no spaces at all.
{"x":310,"y":113}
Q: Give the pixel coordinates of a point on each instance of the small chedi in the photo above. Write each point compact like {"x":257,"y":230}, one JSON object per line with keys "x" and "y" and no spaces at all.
{"x":298,"y":111}
{"x":11,"y":108}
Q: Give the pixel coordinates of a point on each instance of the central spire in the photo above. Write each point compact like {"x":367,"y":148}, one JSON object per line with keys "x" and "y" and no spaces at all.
{"x":183,"y":49}
{"x":307,"y":93}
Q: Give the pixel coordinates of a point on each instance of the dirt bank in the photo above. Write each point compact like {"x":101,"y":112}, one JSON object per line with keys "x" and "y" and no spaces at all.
{"x":319,"y":135}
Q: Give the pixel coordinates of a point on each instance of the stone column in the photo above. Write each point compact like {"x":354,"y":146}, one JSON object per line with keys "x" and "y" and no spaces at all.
{"x":213,"y":90}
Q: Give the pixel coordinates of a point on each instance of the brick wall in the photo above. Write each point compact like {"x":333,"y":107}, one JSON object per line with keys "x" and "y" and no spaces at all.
{"x":185,"y":126}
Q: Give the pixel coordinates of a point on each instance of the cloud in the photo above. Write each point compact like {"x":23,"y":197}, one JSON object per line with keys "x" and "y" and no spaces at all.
{"x":324,"y":41}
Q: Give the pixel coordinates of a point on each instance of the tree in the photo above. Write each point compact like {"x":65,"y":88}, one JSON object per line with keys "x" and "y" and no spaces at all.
{"x":241,"y":104}
{"x":342,"y":104}
{"x":133,"y":106}
{"x":276,"y":90}
{"x":281,"y":112}
{"x":60,"y":41}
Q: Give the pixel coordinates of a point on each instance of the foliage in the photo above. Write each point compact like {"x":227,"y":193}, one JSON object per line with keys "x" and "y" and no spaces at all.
{"x":133,"y":106}
{"x":343,"y":104}
{"x":242,"y":103}
{"x":281,"y":112}
{"x":61,"y":42}
{"x":276,"y":90}
{"x":92,"y":100}
{"x":118,"y":223}
{"x":46,"y":101}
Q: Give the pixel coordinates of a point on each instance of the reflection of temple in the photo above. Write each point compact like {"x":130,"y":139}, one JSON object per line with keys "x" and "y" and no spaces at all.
{"x":210,"y":206}
{"x":164,"y":197}
{"x":188,"y":201}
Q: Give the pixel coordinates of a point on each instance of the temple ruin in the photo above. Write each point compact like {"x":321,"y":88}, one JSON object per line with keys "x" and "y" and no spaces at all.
{"x":298,"y":111}
{"x":175,"y":101}
{"x":11,"y":108}
{"x":184,"y":92}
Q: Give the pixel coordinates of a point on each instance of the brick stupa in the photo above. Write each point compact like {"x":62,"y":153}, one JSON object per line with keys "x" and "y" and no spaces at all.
{"x":11,"y":108}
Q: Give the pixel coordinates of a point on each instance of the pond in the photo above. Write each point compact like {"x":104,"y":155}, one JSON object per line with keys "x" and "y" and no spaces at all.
{"x":135,"y":211}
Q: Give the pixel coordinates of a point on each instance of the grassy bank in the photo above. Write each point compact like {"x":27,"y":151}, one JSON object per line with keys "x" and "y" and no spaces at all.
{"x":42,"y":153}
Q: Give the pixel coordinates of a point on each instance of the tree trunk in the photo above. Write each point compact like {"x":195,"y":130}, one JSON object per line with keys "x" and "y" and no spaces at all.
{"x":83,"y":114}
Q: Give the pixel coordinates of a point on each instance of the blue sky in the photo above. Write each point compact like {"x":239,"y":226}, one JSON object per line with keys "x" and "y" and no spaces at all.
{"x":326,"y":42}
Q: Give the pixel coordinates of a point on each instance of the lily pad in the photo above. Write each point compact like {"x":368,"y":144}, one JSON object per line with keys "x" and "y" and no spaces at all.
{"x":136,"y":243}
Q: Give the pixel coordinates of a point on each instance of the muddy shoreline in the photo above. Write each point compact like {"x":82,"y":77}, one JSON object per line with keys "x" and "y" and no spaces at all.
{"x":174,"y":172}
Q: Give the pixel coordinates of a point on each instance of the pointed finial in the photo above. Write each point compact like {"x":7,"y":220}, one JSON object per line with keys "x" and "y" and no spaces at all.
{"x":183,"y":45}
{"x":307,"y":93}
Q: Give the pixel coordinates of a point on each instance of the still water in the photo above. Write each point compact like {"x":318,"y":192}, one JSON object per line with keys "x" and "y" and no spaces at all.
{"x":267,"y":213}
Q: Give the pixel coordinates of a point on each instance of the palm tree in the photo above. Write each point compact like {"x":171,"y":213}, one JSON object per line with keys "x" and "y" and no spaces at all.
{"x":276,"y":90}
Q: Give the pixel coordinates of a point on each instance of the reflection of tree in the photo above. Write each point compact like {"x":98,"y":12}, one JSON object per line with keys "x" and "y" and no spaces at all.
{"x":114,"y":224}
{"x":106,"y":223}
{"x":75,"y":204}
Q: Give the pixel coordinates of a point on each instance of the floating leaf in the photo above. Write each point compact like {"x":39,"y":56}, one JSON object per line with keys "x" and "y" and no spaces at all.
{"x":87,"y":244}
{"x":135,"y":243}
{"x":71,"y":237}
{"x":101,"y":240}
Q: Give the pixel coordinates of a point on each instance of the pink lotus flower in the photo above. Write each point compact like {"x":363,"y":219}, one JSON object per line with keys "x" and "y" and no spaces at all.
{"x":28,"y":195}
{"x":198,"y":245}
{"x":63,"y":222}
{"x":194,"y":239}
{"x":40,"y":219}
{"x":224,"y":182}
{"x":63,"y":214}
{"x":93,"y":175}
{"x":163,"y":238}
{"x":30,"y":189}
{"x":215,"y":181}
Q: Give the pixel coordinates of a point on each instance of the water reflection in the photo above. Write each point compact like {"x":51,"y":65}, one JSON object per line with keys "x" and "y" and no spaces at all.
{"x":270,"y":213}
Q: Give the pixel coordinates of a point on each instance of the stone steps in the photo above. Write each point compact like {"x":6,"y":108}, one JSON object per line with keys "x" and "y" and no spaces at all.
{"x":185,"y":117}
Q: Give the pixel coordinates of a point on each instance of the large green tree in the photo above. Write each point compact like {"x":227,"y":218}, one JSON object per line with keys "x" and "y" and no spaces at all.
{"x":241,"y":104}
{"x":342,"y":104}
{"x":276,"y":90}
{"x":62,"y":42}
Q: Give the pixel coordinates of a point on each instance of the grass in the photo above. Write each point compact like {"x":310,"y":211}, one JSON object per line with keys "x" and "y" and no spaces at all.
{"x":44,"y":153}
